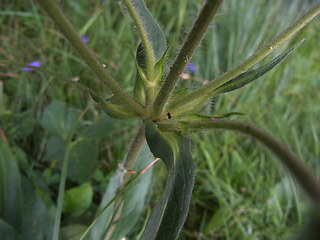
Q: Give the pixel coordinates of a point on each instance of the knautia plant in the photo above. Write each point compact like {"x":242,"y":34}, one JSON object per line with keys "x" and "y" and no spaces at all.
{"x":168,"y":115}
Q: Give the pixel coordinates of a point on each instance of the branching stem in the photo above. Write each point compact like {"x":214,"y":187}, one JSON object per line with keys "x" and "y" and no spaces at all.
{"x":192,"y":41}
{"x":249,"y":62}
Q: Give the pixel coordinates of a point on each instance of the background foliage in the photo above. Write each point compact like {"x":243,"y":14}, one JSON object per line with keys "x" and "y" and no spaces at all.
{"x":240,"y":192}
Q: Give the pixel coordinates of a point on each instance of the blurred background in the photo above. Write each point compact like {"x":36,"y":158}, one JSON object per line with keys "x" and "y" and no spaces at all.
{"x":241,"y":190}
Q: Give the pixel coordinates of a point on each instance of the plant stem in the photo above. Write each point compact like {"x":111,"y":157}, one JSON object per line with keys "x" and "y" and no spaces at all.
{"x":62,"y":184}
{"x":143,"y":35}
{"x":249,"y":62}
{"x":54,"y":11}
{"x":192,"y":41}
{"x":133,"y":153}
{"x":289,"y":159}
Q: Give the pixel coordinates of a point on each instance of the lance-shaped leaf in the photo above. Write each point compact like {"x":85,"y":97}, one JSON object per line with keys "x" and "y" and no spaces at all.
{"x":139,"y":91}
{"x":152,"y":37}
{"x":249,"y":76}
{"x":115,"y":109}
{"x":145,"y":87}
{"x":170,"y":212}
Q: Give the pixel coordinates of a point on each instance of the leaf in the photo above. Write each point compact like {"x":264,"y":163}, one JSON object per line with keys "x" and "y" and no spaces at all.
{"x":11,"y":210}
{"x":78,"y":199}
{"x":81,"y":158}
{"x":38,"y":219}
{"x":101,"y":129}
{"x":152,"y":36}
{"x":249,"y":76}
{"x":60,"y":120}
{"x":134,"y":201}
{"x":113,"y":108}
{"x":170,"y":212}
{"x":141,"y":78}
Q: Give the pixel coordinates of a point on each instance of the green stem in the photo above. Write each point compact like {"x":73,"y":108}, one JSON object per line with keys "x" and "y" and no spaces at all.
{"x":134,"y":151}
{"x":62,"y":184}
{"x":192,"y":41}
{"x":289,"y":159}
{"x":54,"y":11}
{"x":144,"y":38}
{"x":133,"y":154}
{"x":283,"y":37}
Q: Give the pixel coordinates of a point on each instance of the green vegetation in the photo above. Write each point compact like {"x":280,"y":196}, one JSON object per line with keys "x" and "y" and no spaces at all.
{"x":47,"y":123}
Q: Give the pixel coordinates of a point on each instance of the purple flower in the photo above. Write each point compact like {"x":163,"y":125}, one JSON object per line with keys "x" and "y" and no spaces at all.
{"x":33,"y":64}
{"x":85,"y":39}
{"x":191,"y":67}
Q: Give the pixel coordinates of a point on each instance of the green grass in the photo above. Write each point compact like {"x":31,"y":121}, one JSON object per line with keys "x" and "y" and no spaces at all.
{"x":241,"y":191}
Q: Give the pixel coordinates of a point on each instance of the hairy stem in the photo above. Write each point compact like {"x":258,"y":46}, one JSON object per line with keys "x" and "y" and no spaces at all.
{"x":133,"y":154}
{"x":54,"y":11}
{"x":134,"y":151}
{"x":192,"y":41}
{"x":289,"y":159}
{"x":249,"y":62}
{"x":143,"y":35}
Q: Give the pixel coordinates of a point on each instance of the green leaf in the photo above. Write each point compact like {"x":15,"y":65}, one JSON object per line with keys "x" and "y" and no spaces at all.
{"x":152,"y":36}
{"x":11,"y":208}
{"x":170,"y":212}
{"x":60,"y":120}
{"x":38,"y":219}
{"x":81,"y":158}
{"x":249,"y":76}
{"x":134,"y":200}
{"x":102,"y":128}
{"x":78,"y":199}
{"x":113,"y":108}
{"x":159,"y":67}
{"x":141,"y":78}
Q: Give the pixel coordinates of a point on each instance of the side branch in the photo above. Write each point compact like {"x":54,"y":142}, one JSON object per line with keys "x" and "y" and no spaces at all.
{"x":192,"y":41}
{"x":249,"y":62}
{"x":289,"y":159}
{"x":54,"y":11}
